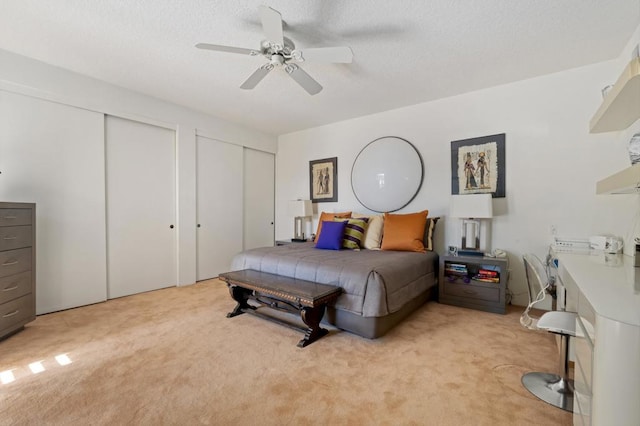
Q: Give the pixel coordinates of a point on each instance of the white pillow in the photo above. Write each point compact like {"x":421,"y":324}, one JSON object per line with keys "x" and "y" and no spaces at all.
{"x":373,"y":235}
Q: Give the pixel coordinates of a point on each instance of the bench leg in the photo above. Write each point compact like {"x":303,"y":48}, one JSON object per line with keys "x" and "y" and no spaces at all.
{"x":240,"y":295}
{"x":312,"y":318}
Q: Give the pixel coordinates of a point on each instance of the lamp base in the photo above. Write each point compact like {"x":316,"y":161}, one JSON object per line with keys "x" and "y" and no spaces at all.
{"x":470,"y":234}
{"x":298,"y":234}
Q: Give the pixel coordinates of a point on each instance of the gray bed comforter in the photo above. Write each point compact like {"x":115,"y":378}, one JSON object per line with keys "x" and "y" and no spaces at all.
{"x":375,"y":283}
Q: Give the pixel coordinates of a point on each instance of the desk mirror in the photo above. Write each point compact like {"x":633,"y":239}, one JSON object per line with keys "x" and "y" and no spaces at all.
{"x":387,"y":174}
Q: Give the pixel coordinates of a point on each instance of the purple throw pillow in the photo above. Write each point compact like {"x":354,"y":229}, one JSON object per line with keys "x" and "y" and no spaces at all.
{"x":331,"y":236}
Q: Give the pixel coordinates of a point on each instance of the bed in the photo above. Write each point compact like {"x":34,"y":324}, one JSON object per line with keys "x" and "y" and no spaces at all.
{"x":380,"y":287}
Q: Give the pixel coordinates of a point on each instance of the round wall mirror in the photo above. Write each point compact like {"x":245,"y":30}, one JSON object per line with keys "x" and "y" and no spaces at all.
{"x":387,"y":174}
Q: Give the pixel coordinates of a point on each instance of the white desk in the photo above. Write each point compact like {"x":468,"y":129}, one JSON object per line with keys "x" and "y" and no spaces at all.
{"x":606,"y":294}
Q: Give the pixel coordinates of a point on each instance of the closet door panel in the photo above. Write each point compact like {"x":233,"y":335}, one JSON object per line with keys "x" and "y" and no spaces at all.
{"x":259,"y":195}
{"x":53,"y":155}
{"x":141,"y":206}
{"x":219,"y":205}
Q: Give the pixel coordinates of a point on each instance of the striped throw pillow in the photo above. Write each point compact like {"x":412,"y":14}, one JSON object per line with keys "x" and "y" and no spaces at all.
{"x":429,"y":229}
{"x":354,"y":232}
{"x":373,"y":236}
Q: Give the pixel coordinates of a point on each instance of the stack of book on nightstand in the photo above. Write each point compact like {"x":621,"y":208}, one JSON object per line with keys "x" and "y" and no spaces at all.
{"x":457,"y":269}
{"x":487,"y":276}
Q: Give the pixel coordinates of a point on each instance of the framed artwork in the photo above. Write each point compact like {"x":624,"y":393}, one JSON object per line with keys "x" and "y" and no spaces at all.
{"x":323,"y":180}
{"x":478,"y":166}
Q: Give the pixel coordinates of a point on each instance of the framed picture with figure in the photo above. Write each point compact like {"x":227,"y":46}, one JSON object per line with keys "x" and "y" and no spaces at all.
{"x":478,"y":166}
{"x":323,"y":180}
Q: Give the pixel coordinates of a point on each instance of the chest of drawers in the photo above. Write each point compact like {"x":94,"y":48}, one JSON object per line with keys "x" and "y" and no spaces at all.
{"x":17,"y":266}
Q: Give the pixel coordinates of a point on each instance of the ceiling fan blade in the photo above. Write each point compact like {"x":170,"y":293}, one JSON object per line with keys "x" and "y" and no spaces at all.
{"x":342,"y":55}
{"x":272,"y":25}
{"x":256,"y":77}
{"x":303,"y":79}
{"x":228,"y":49}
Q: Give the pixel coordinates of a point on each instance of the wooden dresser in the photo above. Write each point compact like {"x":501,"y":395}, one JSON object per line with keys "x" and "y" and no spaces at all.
{"x":17,"y":266}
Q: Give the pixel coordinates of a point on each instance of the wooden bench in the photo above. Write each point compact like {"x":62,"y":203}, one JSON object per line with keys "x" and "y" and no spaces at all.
{"x":282,"y":293}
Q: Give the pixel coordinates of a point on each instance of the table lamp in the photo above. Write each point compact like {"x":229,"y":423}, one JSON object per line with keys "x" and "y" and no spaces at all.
{"x":470,"y":208}
{"x":300,"y":210}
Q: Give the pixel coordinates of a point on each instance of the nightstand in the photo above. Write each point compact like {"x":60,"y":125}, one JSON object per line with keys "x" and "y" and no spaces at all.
{"x":474,"y":282}
{"x":285,"y":242}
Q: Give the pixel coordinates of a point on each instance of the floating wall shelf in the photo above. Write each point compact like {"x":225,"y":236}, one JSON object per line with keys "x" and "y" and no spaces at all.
{"x":626,"y":181}
{"x":621,"y":106}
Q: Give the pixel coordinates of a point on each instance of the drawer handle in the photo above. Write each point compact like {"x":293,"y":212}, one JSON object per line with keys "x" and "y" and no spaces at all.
{"x":10,"y":238}
{"x":10,"y":217}
{"x":10,"y":288}
{"x":10,"y":314}
{"x":15,"y":262}
{"x":469,"y":291}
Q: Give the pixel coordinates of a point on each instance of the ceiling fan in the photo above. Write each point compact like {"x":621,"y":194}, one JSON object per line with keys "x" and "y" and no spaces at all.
{"x":282,"y":53}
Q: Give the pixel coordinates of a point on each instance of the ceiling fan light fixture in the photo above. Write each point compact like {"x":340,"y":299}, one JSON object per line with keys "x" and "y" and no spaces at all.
{"x":279,"y":50}
{"x":296,"y":55}
{"x":277,"y":60}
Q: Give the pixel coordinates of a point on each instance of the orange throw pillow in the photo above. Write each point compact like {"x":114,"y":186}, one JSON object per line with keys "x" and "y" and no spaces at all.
{"x":404,"y":232}
{"x":329,"y":217}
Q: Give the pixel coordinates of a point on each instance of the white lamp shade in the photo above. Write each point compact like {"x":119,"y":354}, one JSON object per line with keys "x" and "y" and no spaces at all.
{"x":477,"y":206}
{"x":300,"y":208}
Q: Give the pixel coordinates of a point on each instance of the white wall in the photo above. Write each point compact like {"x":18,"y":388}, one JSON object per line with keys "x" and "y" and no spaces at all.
{"x":26,"y":76}
{"x":552,"y":162}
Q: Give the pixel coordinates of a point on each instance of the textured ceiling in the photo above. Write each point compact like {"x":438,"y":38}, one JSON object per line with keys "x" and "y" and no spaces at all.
{"x":405,"y":52}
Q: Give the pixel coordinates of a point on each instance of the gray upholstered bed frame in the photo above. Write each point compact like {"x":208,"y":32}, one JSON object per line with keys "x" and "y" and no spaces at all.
{"x":374,"y":327}
{"x":380,"y":288}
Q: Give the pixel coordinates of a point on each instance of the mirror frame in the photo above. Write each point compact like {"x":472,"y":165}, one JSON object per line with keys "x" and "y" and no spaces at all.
{"x":364,"y":199}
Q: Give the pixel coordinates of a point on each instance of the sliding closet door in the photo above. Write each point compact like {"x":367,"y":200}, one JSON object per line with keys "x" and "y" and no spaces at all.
{"x":219,"y":205}
{"x":53,"y":155}
{"x":141,"y":207}
{"x":259,"y":195}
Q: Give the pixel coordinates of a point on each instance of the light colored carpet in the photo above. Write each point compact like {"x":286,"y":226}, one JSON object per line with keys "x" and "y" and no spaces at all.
{"x":172,"y":357}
